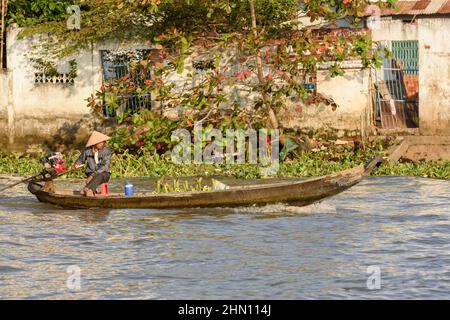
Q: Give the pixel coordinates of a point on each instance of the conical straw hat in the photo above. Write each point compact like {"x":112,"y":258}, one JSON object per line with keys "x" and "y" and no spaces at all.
{"x":96,"y":137}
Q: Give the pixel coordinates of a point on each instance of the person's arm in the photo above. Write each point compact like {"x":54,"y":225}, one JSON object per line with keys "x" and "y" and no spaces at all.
{"x":104,"y":165}
{"x":81,"y":159}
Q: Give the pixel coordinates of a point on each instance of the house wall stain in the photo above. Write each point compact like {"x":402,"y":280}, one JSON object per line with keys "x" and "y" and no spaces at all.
{"x":351,"y":94}
{"x":434,"y":77}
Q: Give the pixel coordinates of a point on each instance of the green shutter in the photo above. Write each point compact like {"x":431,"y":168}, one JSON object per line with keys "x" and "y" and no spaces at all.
{"x":408,"y":53}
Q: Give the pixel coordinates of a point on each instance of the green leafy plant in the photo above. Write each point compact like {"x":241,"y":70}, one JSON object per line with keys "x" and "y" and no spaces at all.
{"x":178,"y":186}
{"x":31,"y":12}
{"x":305,"y":164}
{"x":145,"y":130}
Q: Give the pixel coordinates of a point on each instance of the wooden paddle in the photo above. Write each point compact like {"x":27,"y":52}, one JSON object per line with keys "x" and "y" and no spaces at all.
{"x":21,"y":181}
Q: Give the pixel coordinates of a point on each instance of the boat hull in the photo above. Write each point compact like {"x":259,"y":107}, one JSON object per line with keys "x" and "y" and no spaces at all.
{"x":298,"y":192}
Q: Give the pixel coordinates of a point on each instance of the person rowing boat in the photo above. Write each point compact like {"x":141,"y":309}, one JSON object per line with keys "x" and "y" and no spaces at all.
{"x":97,"y":156}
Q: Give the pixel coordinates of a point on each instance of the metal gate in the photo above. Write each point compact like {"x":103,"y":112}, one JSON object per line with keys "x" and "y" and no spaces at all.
{"x":396,"y":94}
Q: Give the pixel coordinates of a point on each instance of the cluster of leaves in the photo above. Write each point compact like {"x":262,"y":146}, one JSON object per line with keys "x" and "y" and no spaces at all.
{"x":20,"y":165}
{"x":177,"y":22}
{"x":141,"y":131}
{"x":210,"y":98}
{"x":32,"y":12}
{"x":332,"y":10}
{"x":101,"y":21}
{"x":150,"y":130}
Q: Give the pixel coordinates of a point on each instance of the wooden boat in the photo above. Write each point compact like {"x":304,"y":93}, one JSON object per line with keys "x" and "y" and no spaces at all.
{"x":296,"y":192}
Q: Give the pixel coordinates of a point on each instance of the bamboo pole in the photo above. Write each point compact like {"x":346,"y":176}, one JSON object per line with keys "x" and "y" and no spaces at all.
{"x":2,"y":31}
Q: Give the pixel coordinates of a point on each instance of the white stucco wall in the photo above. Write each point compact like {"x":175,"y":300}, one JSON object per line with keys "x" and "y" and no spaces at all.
{"x":4,"y":85}
{"x":395,"y":29}
{"x":39,"y":111}
{"x":351,"y":94}
{"x":38,"y":99}
{"x":434,"y":76}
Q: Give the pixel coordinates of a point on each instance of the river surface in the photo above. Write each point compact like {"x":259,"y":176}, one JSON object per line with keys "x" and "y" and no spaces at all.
{"x":387,"y":237}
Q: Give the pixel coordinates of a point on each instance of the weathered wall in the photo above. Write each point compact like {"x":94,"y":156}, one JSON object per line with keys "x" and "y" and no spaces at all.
{"x":434,"y":66}
{"x":352,"y":116}
{"x":4,"y":102}
{"x":4,"y":85}
{"x":434,"y":76}
{"x":43,"y":111}
{"x":47,"y":111}
{"x":395,"y":29}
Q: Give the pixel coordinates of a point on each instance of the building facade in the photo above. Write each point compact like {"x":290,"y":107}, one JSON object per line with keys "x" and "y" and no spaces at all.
{"x":410,"y":91}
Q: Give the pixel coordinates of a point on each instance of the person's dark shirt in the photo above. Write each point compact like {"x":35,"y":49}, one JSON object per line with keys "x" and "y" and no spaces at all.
{"x":104,"y":161}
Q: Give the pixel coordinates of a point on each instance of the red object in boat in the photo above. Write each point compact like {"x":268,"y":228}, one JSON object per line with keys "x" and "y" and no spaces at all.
{"x":104,"y":190}
{"x":60,"y":166}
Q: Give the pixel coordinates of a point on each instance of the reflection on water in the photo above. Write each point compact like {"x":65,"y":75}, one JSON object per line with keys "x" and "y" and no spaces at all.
{"x":400,"y":224}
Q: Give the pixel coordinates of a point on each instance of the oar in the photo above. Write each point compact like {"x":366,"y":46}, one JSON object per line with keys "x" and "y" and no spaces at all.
{"x":22,"y":181}
{"x":40,"y":174}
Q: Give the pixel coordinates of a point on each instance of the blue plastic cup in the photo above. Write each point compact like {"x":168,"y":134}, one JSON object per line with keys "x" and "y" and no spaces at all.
{"x":129,"y":190}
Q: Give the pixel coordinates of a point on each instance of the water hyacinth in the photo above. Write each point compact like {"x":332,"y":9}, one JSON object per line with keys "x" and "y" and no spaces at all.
{"x":306,"y":164}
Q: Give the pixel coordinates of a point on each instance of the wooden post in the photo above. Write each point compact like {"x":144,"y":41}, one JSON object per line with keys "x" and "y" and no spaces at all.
{"x":259,"y":67}
{"x":3,"y":11}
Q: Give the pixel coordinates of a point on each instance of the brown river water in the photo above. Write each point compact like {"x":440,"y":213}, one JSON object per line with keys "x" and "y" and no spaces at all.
{"x":399,"y":226}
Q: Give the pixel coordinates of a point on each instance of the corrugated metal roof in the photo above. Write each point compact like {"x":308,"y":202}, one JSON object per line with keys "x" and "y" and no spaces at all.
{"x":421,"y":7}
{"x":445,"y":8}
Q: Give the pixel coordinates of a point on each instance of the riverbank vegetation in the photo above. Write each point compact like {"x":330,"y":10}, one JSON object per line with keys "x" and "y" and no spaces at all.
{"x":304,"y":164}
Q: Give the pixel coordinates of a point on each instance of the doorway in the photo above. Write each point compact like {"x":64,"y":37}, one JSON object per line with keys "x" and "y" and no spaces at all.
{"x":396,"y":94}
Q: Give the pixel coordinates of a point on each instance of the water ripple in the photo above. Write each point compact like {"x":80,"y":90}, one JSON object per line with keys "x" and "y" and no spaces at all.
{"x":398,"y":224}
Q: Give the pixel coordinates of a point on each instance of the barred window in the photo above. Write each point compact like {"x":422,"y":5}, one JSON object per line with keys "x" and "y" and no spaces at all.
{"x":116,"y":65}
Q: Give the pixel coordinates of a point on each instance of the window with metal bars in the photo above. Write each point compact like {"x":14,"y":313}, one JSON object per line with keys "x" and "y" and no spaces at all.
{"x":116,"y":65}
{"x":407,"y":52}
